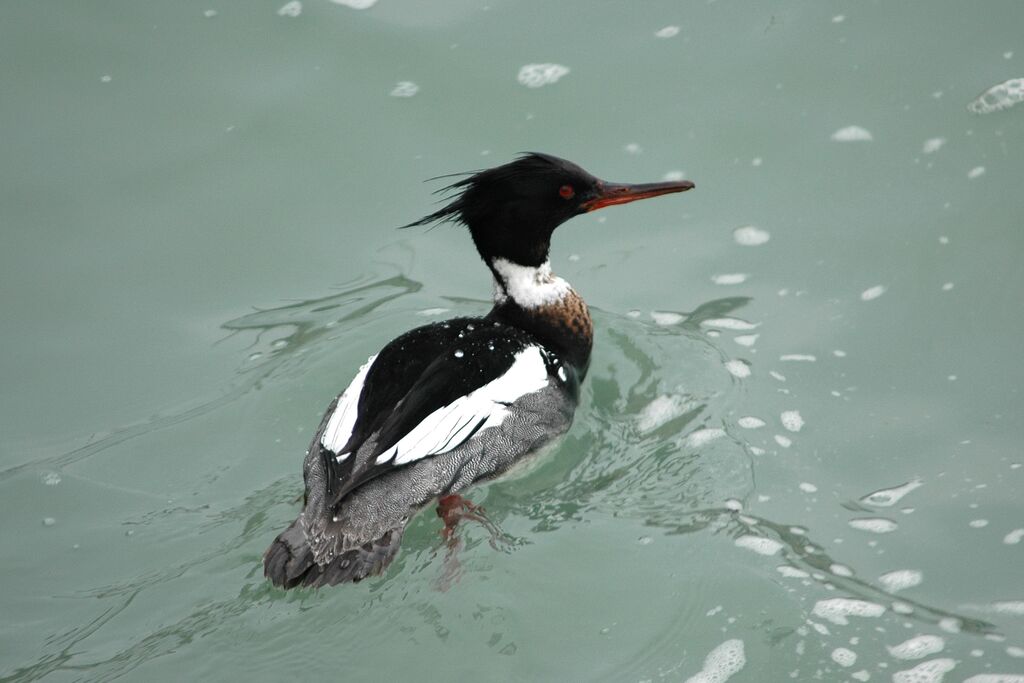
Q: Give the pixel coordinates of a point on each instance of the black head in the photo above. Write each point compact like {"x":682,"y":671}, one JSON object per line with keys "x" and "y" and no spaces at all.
{"x":512,"y":210}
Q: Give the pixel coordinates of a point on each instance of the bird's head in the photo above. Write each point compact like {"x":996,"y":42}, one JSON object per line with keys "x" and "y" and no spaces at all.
{"x":512,"y":210}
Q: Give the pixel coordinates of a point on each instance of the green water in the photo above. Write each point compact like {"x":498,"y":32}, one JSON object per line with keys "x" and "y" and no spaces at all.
{"x":198,"y":251}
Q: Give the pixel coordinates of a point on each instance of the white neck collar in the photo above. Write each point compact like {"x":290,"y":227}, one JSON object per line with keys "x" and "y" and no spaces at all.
{"x":528,"y":286}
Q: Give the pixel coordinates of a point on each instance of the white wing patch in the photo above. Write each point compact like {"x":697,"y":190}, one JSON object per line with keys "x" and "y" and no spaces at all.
{"x":447,"y":427}
{"x":343,"y":419}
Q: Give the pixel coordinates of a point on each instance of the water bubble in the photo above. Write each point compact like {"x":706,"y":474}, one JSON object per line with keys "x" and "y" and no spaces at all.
{"x":721,"y":663}
{"x":999,"y":97}
{"x":783,"y":441}
{"x":730,"y":324}
{"x":852,"y":134}
{"x":792,"y":420}
{"x":872,"y":293}
{"x":750,"y":236}
{"x":750,"y":422}
{"x":290,"y":9}
{"x":976,"y":172}
{"x":667,"y":32}
{"x":837,"y":610}
{"x":537,"y":75}
{"x":760,"y":545}
{"x":875,"y":525}
{"x":931,"y":671}
{"x":356,"y":4}
{"x":1014,"y":537}
{"x":458,"y":353}
{"x":738,"y":368}
{"x":51,"y":478}
{"x":49,"y":521}
{"x":900,"y":579}
{"x":798,"y":357}
{"x":730,"y":279}
{"x":917,"y":647}
{"x":844,"y":657}
{"x":666,"y":318}
{"x":746,"y":339}
{"x":404,"y":89}
{"x":808,"y":487}
{"x":932,"y":145}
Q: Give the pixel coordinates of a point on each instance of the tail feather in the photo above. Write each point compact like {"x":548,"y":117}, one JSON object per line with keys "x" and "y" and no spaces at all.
{"x":290,"y":561}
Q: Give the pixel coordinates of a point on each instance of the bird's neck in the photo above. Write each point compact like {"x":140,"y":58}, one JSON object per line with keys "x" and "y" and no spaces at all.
{"x":538,"y":301}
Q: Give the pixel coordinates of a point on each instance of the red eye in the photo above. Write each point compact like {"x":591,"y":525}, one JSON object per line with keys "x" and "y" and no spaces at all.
{"x":566,"y":192}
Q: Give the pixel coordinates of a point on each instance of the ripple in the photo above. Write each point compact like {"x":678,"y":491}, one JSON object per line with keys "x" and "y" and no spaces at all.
{"x":884,"y":498}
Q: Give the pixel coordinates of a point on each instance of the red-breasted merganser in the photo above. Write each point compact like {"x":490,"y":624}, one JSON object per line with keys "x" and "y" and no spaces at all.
{"x":452,"y":403}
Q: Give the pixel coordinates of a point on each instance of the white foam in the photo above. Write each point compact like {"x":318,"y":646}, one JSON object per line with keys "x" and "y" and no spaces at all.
{"x":931,"y":671}
{"x":837,"y":610}
{"x":900,"y":579}
{"x":917,"y":647}
{"x":872,"y":293}
{"x":730,"y":324}
{"x":792,"y":420}
{"x":704,"y":436}
{"x":666,"y":318}
{"x":1012,"y":538}
{"x":404,"y":89}
{"x":876,"y":525}
{"x":730,"y":278}
{"x":738,"y":368}
{"x":662,"y":410}
{"x":1015,"y":607}
{"x":852,"y":134}
{"x":632,"y":148}
{"x":53,"y":478}
{"x":932,"y":145}
{"x":947,"y":287}
{"x":996,"y":678}
{"x":976,"y":172}
{"x":721,"y":663}
{"x":808,"y":487}
{"x":746,"y":339}
{"x":798,"y":357}
{"x":750,"y":236}
{"x":356,"y":4}
{"x":884,"y":498}
{"x":783,"y":441}
{"x":432,"y":311}
{"x":840,"y":569}
{"x":667,"y":32}
{"x":839,"y":18}
{"x":978,"y":523}
{"x":999,"y":97}
{"x":760,"y":545}
{"x":537,"y":75}
{"x":291,"y":9}
{"x":862,"y":675}
{"x":844,"y":657}
{"x":791,"y":572}
{"x":750,"y":422}
{"x":673,"y":175}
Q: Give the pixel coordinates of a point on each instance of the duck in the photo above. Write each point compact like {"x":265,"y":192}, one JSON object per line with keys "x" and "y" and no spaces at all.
{"x":460,"y":401}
